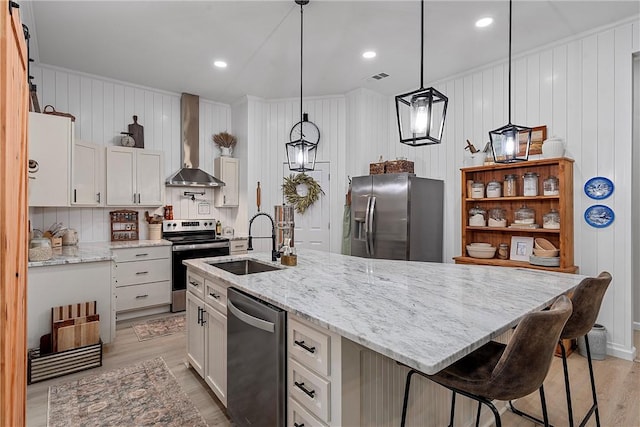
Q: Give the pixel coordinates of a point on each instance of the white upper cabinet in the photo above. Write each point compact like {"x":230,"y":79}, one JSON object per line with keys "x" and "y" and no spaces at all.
{"x":135,"y":177}
{"x":87,"y":174}
{"x":50,"y":140}
{"x":226,"y":170}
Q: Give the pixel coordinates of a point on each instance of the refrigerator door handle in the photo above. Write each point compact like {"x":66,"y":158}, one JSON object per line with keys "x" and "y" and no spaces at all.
{"x":366,"y":226}
{"x":372,"y":211}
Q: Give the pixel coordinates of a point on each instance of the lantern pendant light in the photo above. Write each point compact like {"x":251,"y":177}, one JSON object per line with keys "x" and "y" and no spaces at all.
{"x":505,"y":141}
{"x":421,"y":113}
{"x":301,"y":153}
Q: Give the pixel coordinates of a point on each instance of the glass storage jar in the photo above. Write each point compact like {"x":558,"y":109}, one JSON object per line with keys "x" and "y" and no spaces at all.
{"x":510,"y":185}
{"x":497,"y":217}
{"x":477,"y":217}
{"x":40,"y":249}
{"x":503,"y":251}
{"x":551,"y":186}
{"x":524,"y":215}
{"x":530,"y":184}
{"x":494,"y":189}
{"x":477,"y":190}
{"x":551,"y":220}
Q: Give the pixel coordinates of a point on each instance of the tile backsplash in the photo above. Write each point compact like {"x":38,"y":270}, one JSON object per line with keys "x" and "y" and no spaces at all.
{"x":93,"y":224}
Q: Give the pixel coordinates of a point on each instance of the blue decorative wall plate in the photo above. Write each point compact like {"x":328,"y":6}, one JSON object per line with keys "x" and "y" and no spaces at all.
{"x":598,"y":188}
{"x":599,"y":216}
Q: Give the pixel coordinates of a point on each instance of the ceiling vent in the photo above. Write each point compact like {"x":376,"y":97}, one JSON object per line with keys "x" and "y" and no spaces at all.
{"x":380,"y":76}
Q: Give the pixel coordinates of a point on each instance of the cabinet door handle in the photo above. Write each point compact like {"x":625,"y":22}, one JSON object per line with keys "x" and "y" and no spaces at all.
{"x":214,"y":295}
{"x":75,"y":192}
{"x":224,"y":199}
{"x":306,"y":347}
{"x":138,"y":198}
{"x":141,"y":296}
{"x":199,"y":315}
{"x":98,"y":197}
{"x":142,"y":254}
{"x":194,"y":283}
{"x":310,"y":393}
{"x":134,"y":197}
{"x":142,"y":272}
{"x":298,"y":425}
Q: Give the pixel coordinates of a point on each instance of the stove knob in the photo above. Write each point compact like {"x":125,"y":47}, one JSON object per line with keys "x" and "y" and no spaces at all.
{"x":173,"y":225}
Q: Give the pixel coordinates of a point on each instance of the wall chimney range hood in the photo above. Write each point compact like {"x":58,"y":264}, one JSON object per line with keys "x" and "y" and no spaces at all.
{"x":190,"y":175}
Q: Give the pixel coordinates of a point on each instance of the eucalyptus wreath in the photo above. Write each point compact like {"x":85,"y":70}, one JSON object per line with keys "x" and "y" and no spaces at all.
{"x":290,"y":190}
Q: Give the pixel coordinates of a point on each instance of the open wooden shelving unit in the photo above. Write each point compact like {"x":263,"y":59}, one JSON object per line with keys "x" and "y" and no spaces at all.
{"x":561,"y":168}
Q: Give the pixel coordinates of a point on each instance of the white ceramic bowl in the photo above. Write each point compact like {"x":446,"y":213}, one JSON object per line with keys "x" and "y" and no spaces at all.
{"x":485,"y":252}
{"x":480,"y":245}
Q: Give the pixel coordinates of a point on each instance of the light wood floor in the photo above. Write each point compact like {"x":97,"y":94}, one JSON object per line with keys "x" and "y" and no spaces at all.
{"x":618,"y":384}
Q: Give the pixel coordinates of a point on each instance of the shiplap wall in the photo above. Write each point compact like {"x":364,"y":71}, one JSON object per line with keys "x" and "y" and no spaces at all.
{"x":636,"y":189}
{"x":103,"y":108}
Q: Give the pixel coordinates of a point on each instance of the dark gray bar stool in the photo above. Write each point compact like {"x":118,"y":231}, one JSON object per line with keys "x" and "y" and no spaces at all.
{"x":587,"y":299}
{"x":504,"y":372}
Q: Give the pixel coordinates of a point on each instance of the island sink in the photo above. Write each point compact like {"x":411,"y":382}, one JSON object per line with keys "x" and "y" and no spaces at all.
{"x":244,"y":266}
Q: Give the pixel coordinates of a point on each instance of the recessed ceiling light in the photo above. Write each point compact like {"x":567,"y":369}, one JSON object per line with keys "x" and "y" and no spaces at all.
{"x":220,"y":64}
{"x":369,"y":54}
{"x":484,"y":22}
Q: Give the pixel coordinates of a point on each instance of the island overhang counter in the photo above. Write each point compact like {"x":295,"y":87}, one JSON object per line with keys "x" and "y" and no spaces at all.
{"x":424,"y":315}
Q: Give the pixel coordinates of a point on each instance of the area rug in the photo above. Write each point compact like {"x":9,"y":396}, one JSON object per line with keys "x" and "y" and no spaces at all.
{"x":143,"y":394}
{"x":159,"y":327}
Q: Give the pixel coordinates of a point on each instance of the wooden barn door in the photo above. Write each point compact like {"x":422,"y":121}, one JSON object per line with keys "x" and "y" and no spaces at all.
{"x":13,"y":216}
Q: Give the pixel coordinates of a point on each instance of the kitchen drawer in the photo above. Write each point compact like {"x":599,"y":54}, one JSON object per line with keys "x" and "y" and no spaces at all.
{"x":238,"y":246}
{"x":216,"y":295}
{"x":138,"y":254}
{"x":317,"y":399}
{"x":130,"y":273}
{"x":144,"y":295}
{"x":195,"y":284}
{"x":309,"y":346}
{"x":298,"y":416}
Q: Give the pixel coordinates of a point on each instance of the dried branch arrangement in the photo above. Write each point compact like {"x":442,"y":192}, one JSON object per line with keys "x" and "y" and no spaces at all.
{"x":224,"y":139}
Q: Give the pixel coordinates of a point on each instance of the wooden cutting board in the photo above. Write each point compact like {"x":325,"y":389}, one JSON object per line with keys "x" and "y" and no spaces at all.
{"x":81,"y":332}
{"x":65,"y":312}
{"x":137,"y":132}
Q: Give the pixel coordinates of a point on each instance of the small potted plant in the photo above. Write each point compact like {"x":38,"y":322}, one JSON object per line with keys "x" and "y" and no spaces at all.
{"x":225,"y":141}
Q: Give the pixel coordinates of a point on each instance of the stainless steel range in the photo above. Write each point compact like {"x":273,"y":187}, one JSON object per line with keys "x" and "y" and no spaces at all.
{"x":191,"y":239}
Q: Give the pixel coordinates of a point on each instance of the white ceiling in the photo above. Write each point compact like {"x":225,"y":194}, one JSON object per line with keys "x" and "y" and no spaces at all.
{"x":171,"y":45}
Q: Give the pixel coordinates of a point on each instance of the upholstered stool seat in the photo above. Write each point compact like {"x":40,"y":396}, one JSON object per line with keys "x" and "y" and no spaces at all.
{"x":504,"y":372}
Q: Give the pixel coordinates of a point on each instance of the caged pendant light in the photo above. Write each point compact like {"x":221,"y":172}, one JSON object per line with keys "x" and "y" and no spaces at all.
{"x":505,"y":141}
{"x":301,"y":153}
{"x":421,"y":113}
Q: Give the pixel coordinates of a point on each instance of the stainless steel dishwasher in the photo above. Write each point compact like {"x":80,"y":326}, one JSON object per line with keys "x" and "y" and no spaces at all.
{"x":256,"y":361}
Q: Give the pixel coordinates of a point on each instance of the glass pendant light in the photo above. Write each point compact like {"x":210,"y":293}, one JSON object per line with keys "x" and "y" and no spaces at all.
{"x":505,"y":141}
{"x":301,"y":153}
{"x":421,"y":113}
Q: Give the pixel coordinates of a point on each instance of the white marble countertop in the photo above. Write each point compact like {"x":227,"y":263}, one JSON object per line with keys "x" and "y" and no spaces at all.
{"x":92,"y":252}
{"x":425,"y":315}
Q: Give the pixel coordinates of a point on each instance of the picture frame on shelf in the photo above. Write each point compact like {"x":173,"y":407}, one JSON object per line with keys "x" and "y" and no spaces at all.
{"x":521,"y":248}
{"x":538,"y":135}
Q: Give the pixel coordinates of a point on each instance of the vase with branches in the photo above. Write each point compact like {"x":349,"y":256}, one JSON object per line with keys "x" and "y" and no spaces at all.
{"x":226,"y":142}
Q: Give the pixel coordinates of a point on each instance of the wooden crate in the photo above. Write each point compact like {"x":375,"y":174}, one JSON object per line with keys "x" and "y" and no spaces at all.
{"x":44,"y":367}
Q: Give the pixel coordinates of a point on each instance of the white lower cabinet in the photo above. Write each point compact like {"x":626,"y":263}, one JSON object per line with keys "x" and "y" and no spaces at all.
{"x":142,"y":279}
{"x":207,"y":333}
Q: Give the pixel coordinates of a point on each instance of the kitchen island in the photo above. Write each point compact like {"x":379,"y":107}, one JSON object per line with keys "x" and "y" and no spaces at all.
{"x":424,"y":315}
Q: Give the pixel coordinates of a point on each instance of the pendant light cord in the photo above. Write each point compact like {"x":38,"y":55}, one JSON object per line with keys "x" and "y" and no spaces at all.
{"x":510,"y":8}
{"x":301,"y":33}
{"x":421,"y":44}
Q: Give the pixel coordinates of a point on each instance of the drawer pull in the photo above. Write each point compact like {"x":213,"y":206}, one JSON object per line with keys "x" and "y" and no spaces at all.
{"x":142,"y":272}
{"x":298,"y":425}
{"x":306,"y":347}
{"x":194,"y":283}
{"x":214,"y":295}
{"x":310,"y":393}
{"x":141,"y":296}
{"x":142,"y":254}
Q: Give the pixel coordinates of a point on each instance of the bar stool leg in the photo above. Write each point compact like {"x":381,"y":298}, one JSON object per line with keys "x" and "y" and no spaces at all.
{"x":543,"y":401}
{"x":566,"y":382}
{"x":453,"y":408}
{"x":478,"y":415}
{"x":594,"y":407}
{"x":406,"y":397}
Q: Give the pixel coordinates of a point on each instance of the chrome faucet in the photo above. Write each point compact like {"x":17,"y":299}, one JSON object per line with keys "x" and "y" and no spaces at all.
{"x":274,"y":253}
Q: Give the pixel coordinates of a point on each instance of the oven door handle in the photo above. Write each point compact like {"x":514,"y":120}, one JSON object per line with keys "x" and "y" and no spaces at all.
{"x":180,"y":248}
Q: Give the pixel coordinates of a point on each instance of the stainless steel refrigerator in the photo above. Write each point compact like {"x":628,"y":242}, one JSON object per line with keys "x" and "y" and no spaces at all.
{"x":397,"y":216}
